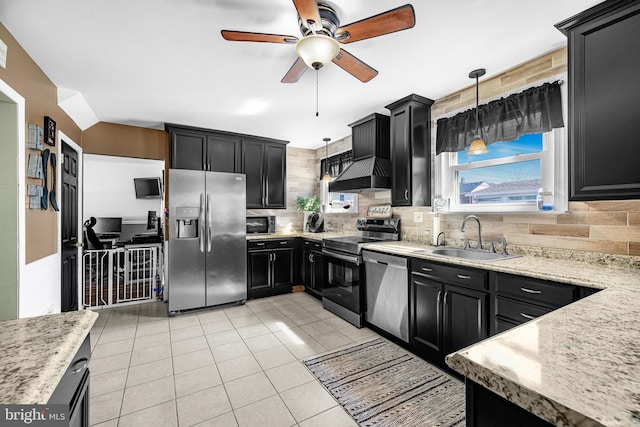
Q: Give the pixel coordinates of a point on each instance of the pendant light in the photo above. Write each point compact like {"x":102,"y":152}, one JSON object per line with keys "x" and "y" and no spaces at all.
{"x":326,"y":177}
{"x":477,"y":145}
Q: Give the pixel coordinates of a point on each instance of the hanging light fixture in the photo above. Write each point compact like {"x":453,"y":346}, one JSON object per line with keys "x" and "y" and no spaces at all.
{"x":477,"y":145}
{"x":316,"y":50}
{"x":326,"y":177}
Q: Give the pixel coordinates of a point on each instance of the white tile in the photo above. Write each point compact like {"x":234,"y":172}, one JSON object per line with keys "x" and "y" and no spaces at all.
{"x":273,"y":357}
{"x":162,"y":415}
{"x":333,"y":340}
{"x":238,"y":368}
{"x":217,"y":326}
{"x":335,"y":417}
{"x":109,"y":363}
{"x":317,"y":328}
{"x":149,"y":372}
{"x":253,"y":330}
{"x":241,"y":321}
{"x":229,"y":351}
{"x":105,"y":407}
{"x":147,"y":395}
{"x":270,"y":412}
{"x":211,"y":316}
{"x":195,"y":359}
{"x":224,"y":420}
{"x":223,"y":337}
{"x":197,"y":380}
{"x":150,"y":354}
{"x":203,"y":405}
{"x":186,"y":333}
{"x":118,"y":334}
{"x":152,"y":328}
{"x":307,"y":400}
{"x":109,"y":382}
{"x":161,"y":338}
{"x":238,"y":311}
{"x":183,"y":321}
{"x":111,"y":348}
{"x":287,"y":376}
{"x":357,"y":334}
{"x":262,"y":342}
{"x":249,"y":389}
{"x":311,"y":347}
{"x":189,"y":345}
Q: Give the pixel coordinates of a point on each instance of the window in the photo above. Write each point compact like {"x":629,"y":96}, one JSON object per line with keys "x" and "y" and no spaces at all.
{"x":507,"y":178}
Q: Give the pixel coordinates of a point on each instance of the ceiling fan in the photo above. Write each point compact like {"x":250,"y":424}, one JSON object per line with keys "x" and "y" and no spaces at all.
{"x":321,"y":32}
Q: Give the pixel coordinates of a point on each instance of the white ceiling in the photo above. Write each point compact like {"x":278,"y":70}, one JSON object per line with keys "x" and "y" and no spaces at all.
{"x":147,"y":62}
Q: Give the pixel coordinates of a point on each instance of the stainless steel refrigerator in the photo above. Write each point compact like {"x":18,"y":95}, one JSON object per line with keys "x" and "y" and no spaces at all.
{"x":207,"y":239}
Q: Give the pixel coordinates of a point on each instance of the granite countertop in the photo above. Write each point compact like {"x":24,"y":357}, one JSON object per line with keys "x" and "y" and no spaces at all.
{"x":306,"y":235}
{"x":576,"y":366}
{"x":37,"y":351}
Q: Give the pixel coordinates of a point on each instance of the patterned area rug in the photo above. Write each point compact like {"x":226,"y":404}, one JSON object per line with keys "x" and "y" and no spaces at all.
{"x":381,"y":384}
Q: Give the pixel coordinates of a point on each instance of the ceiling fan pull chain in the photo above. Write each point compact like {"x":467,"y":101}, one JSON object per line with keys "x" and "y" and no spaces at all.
{"x":317,"y":93}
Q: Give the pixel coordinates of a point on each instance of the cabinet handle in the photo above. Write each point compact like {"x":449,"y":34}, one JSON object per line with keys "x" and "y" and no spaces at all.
{"x":310,"y":257}
{"x":527,"y":316}
{"x":259,"y":244}
{"x":463,"y":276}
{"x":406,"y":194}
{"x":530,"y":291}
{"x":83,"y":364}
{"x":427,"y":269}
{"x":274,"y":256}
{"x":284,"y":242}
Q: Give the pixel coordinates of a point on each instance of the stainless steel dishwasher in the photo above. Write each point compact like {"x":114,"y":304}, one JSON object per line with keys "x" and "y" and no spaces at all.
{"x":387,"y":291}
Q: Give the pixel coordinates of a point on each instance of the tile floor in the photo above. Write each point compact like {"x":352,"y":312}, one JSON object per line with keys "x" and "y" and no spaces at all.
{"x":238,"y":366}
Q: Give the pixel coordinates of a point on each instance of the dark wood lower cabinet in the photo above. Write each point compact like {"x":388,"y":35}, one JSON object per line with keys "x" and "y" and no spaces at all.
{"x":312,"y":267}
{"x":487,"y":409}
{"x":271,"y":267}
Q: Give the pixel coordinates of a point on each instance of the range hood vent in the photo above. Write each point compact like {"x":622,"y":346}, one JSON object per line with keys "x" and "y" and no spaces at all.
{"x":371,"y":167}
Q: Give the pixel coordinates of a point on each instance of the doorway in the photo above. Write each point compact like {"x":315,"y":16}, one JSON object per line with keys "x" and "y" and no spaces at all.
{"x":70,"y":231}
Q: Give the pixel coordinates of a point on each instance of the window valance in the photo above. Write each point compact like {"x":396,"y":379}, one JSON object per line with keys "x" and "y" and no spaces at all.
{"x":337,"y":163}
{"x":535,"y":110}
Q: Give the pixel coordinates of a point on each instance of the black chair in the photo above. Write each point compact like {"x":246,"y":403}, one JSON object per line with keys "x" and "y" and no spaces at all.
{"x":92,"y":240}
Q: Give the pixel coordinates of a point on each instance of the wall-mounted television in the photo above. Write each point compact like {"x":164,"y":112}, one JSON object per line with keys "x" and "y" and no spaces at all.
{"x":148,"y":188}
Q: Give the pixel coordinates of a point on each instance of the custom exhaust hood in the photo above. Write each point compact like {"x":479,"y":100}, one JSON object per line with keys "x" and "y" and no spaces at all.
{"x":371,"y":167}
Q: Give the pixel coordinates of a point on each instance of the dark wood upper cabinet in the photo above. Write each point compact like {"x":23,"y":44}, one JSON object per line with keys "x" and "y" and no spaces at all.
{"x":411,"y":151}
{"x":370,"y":136}
{"x":262,"y":160}
{"x":604,"y":66}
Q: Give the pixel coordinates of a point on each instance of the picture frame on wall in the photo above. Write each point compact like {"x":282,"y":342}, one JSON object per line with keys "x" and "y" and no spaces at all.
{"x":49,"y":131}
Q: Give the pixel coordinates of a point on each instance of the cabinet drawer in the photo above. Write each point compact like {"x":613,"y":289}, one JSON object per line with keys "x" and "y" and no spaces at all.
{"x":312,"y":245}
{"x":535,"y":291}
{"x":469,"y":277}
{"x":253,"y":245}
{"x":68,"y":385}
{"x":519,"y":311}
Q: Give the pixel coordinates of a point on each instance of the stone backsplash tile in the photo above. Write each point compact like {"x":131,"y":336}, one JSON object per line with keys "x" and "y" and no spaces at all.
{"x":594,"y":218}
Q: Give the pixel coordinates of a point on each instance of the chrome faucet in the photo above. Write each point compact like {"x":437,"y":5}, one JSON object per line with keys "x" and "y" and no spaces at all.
{"x":467,"y":218}
{"x":438,"y":238}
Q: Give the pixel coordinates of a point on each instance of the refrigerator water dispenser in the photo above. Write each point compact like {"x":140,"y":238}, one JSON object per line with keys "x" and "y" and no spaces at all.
{"x":187,"y":223}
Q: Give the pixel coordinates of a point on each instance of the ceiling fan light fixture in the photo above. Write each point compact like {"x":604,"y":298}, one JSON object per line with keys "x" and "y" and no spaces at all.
{"x":317,"y":50}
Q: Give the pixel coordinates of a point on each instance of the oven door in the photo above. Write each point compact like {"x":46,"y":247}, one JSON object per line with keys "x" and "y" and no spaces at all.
{"x":342,"y":280}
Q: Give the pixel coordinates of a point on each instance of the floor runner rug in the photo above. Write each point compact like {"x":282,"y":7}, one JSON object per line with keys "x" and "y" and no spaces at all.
{"x":381,"y":384}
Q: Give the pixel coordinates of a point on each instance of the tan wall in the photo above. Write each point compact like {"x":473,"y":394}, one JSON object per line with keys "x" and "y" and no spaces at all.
{"x":603,"y":227}
{"x":126,"y":141}
{"x":26,"y":78}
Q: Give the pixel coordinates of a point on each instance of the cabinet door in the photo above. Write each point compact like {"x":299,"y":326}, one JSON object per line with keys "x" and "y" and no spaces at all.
{"x":275,"y":176}
{"x":223,"y":154}
{"x":307,"y":269}
{"x":252,"y":167}
{"x":187,"y":149}
{"x":426,"y":304}
{"x":282,"y":267}
{"x":400,"y":156}
{"x":259,"y":269}
{"x":464,"y":317}
{"x":318,"y":272}
{"x":603,"y":96}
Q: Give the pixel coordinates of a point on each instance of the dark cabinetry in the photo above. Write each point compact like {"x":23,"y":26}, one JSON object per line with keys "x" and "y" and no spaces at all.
{"x":448,"y":307}
{"x":262,"y":160}
{"x":520,"y":299}
{"x":271,"y":267}
{"x":264,"y":164}
{"x":603,"y":101}
{"x":73,"y":388}
{"x":411,"y":151}
{"x":312,"y":267}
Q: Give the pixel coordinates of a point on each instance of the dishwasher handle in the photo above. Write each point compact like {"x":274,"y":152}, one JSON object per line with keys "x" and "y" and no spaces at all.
{"x":387,"y":260}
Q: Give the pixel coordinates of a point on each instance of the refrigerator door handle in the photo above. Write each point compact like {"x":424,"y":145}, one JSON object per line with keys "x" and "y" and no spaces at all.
{"x":209,"y":228}
{"x":201,"y":223}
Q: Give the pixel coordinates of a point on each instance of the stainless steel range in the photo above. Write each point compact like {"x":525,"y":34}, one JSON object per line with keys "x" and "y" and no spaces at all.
{"x":343,"y":291}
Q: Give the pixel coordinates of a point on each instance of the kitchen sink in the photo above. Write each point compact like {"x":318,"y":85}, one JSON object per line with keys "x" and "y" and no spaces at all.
{"x":470,"y":254}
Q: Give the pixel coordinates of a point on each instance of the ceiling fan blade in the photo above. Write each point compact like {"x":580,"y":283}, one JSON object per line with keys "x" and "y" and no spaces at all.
{"x":354,"y":66}
{"x":391,"y":21}
{"x":309,"y":13}
{"x":295,"y":72}
{"x":243,"y":36}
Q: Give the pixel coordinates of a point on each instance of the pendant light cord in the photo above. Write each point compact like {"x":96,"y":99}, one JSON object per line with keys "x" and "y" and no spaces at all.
{"x":477,"y":102}
{"x":317,"y":93}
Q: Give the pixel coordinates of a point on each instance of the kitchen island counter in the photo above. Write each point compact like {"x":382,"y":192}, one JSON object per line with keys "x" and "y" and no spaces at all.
{"x":576,"y":366}
{"x":37,"y":351}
